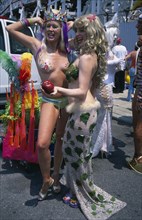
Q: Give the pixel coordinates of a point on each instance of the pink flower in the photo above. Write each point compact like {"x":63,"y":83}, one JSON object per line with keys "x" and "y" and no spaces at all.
{"x":17,"y":59}
{"x":46,"y":66}
{"x":91,"y":17}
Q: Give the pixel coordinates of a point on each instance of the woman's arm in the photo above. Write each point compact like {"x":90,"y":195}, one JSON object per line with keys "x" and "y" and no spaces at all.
{"x":87,"y":65}
{"x":114,"y":61}
{"x":14,"y":31}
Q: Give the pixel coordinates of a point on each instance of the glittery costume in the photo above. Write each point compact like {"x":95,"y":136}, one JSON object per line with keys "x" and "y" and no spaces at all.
{"x":102,"y":135}
{"x":95,"y":203}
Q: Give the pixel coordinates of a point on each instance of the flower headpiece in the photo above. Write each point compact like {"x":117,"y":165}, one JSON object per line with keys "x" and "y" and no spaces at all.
{"x":91,"y":17}
{"x":55,"y":15}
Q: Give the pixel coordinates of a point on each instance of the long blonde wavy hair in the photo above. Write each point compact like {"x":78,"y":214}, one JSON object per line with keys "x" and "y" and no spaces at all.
{"x":95,"y":42}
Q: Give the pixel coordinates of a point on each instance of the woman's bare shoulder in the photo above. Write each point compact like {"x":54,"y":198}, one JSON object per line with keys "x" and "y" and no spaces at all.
{"x":88,"y":61}
{"x":88,"y":57}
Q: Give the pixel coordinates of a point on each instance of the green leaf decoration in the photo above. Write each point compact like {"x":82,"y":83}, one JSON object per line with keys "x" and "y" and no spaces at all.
{"x":93,"y":207}
{"x":8,"y":117}
{"x":94,"y":213}
{"x":79,"y":161}
{"x":87,"y":158}
{"x":84,"y":176}
{"x":75,"y":165}
{"x":100,"y":198}
{"x":78,"y":151}
{"x":109,"y":211}
{"x":72,"y":143}
{"x":91,"y":128}
{"x":68,"y":135}
{"x":72,"y":73}
{"x":92,"y":193}
{"x":112,"y":199}
{"x":90,"y":183}
{"x":78,"y":182}
{"x":5,"y":116}
{"x":72,"y":122}
{"x":84,"y":117}
{"x":10,"y":67}
{"x":68,"y":151}
{"x":80,"y":138}
{"x":102,"y":205}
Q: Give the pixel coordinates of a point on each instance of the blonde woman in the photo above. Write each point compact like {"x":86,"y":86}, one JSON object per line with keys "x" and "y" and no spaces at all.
{"x":85,"y":74}
{"x":51,"y":58}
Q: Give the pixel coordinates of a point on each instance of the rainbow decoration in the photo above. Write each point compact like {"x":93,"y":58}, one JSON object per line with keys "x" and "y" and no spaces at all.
{"x":23,"y":103}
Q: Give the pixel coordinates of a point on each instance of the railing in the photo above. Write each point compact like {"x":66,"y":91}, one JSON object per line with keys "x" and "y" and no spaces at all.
{"x":105,"y":9}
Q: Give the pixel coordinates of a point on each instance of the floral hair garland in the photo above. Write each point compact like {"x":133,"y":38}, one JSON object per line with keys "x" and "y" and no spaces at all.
{"x":91,"y":17}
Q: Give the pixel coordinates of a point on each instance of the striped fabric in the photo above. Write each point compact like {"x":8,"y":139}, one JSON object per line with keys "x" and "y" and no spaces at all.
{"x":138,"y":80}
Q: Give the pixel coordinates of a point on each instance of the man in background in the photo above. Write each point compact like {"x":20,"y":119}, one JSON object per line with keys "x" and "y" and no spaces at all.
{"x":120,"y":52}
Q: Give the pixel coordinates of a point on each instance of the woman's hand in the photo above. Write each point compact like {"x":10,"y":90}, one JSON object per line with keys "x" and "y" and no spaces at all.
{"x":52,"y":93}
{"x":55,"y":91}
{"x":43,"y":92}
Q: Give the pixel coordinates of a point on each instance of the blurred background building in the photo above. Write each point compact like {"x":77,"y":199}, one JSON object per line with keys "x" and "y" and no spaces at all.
{"x":105,"y":9}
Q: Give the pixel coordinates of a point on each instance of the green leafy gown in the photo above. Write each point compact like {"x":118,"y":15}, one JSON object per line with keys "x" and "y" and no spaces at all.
{"x":94,"y":202}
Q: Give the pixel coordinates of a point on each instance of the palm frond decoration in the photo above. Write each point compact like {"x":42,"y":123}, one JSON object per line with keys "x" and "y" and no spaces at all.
{"x":10,"y":67}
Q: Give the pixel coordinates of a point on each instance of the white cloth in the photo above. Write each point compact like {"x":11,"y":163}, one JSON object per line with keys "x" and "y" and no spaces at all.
{"x":112,"y":63}
{"x":120,"y":51}
{"x":102,"y":135}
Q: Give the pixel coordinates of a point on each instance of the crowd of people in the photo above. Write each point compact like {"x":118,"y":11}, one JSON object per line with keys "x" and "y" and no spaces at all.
{"x":82,"y":70}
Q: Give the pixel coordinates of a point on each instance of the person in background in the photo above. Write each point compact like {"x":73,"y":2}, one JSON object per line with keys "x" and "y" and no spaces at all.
{"x":84,"y":74}
{"x":136,"y":162}
{"x":131,"y":60}
{"x":102,"y":139}
{"x":120,"y":51}
{"x":51,"y":58}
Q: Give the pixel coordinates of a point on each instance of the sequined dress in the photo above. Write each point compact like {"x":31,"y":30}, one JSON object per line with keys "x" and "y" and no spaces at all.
{"x":102,"y":135}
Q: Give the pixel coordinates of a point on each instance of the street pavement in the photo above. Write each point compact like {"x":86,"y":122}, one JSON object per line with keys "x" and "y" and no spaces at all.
{"x":20,"y":184}
{"x":122,"y":109}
